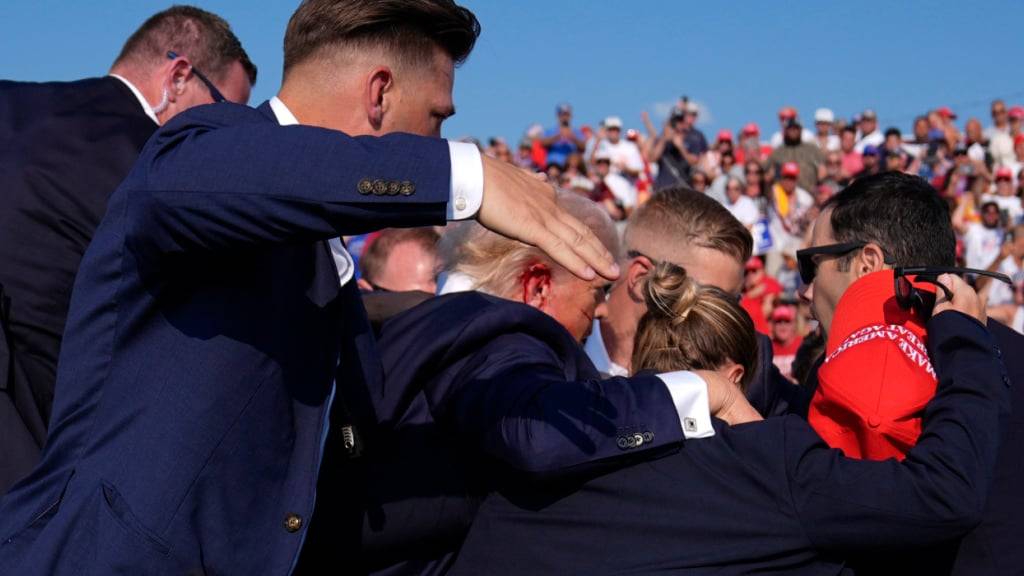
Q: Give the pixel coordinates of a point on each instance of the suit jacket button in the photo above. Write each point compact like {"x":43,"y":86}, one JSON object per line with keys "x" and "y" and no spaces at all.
{"x":622,"y":442}
{"x":293,"y":523}
{"x":365,"y":186}
{"x":648,"y":437}
{"x":394,"y":188}
{"x":380,"y":187}
{"x":407,"y":188}
{"x":639,"y":439}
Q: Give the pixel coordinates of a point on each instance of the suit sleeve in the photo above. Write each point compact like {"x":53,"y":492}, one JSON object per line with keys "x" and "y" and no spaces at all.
{"x":514,"y":403}
{"x":226,"y":177}
{"x":938,"y":492}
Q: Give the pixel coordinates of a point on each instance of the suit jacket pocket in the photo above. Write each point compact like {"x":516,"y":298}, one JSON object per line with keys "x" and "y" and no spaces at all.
{"x":118,"y":509}
{"x":42,"y":516}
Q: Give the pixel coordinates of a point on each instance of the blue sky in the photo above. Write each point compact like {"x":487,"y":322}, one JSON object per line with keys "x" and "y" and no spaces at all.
{"x":741,"y":61}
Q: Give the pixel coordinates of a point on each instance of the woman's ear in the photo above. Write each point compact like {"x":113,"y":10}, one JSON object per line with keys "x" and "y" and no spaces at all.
{"x":536,"y":286}
{"x":735,"y":373}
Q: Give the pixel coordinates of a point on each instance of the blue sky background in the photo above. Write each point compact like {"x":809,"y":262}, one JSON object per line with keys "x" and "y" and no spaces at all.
{"x":740,"y":60}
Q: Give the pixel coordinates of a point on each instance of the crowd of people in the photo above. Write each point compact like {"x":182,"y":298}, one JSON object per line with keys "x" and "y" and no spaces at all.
{"x":775,"y":184}
{"x":300,"y":338}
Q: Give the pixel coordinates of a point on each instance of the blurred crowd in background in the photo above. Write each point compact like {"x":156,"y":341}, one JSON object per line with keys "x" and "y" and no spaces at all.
{"x":773,"y":180}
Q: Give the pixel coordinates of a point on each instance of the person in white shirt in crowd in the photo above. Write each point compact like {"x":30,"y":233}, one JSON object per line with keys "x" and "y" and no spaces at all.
{"x":868,"y":133}
{"x":1016,"y":163}
{"x":1006,"y":196}
{"x":917,"y":143}
{"x":623,"y":153}
{"x":1006,"y":303}
{"x":1000,"y":120}
{"x":791,"y":214}
{"x":1001,"y":144}
{"x":786,"y":114}
{"x":727,"y":169}
{"x":739,"y":205}
{"x":823,"y":122}
{"x":983,"y":239}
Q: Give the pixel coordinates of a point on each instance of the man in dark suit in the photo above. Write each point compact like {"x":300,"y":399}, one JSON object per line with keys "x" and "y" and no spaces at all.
{"x":67,"y":145}
{"x":692,"y":230}
{"x":900,"y":221}
{"x":215,"y":335}
{"x":761,"y":497}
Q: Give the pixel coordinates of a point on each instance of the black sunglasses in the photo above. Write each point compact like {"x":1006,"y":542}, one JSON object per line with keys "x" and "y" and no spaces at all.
{"x":214,"y":93}
{"x":909,"y":297}
{"x":808,"y":264}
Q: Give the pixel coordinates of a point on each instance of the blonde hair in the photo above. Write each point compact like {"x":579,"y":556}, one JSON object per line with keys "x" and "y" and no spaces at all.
{"x":688,"y":326}
{"x":496,"y":264}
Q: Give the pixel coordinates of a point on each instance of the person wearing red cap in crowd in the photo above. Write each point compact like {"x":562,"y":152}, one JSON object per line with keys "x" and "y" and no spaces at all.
{"x":807,"y":155}
{"x":786,"y":115}
{"x":1005,"y":196}
{"x":791,"y":205}
{"x":750,"y":146}
{"x":785,"y":338}
{"x":710,"y":161}
{"x":1001,"y":143}
{"x":760,"y":291}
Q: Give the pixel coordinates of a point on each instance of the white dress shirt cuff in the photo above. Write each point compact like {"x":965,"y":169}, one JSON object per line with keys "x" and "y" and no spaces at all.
{"x":467,"y":192}
{"x":690,"y":395}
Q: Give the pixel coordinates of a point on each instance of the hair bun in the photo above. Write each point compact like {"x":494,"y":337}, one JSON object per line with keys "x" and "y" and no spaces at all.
{"x":670,"y":293}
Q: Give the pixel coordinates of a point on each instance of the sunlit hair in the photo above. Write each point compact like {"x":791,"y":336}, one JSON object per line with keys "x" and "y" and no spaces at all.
{"x":688,"y":326}
{"x":496,"y":264}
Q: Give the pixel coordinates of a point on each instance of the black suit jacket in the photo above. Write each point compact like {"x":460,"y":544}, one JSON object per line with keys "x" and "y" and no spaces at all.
{"x":764,"y":497}
{"x":64,"y":147}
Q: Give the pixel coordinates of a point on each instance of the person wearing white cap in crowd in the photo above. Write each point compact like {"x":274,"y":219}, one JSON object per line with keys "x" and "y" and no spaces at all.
{"x":1006,"y":196}
{"x":868,"y":133}
{"x":624,"y":154}
{"x":825,"y":139}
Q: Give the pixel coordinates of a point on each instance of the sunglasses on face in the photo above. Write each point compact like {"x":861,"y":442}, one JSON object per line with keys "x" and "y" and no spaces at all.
{"x":807,"y":259}
{"x":910,"y":297}
{"x":214,"y":93}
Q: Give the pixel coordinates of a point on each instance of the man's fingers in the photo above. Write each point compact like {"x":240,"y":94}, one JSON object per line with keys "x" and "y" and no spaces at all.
{"x":560,"y":251}
{"x":582,"y":240}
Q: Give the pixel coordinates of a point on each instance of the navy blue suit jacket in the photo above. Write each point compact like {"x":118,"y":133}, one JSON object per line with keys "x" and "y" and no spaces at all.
{"x":472,"y":380}
{"x":763,"y":497}
{"x":64,"y":147}
{"x":206,"y":328}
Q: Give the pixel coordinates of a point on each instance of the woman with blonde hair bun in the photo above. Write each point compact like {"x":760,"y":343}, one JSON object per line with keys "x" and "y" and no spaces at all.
{"x":693,"y":327}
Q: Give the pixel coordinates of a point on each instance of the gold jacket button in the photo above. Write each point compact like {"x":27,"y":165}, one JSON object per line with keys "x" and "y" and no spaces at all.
{"x":293,"y":523}
{"x":407,"y":188}
{"x":394,"y":188}
{"x":380,"y":187}
{"x":365,"y":186}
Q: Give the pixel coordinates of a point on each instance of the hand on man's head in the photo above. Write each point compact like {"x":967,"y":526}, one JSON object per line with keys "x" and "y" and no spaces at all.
{"x":519,"y":205}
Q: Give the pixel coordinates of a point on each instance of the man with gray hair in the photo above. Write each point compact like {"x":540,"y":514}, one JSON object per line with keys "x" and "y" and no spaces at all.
{"x":496,"y":373}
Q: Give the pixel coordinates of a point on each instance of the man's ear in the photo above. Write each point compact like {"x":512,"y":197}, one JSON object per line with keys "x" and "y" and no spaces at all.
{"x":636,"y":276}
{"x":871,"y":259}
{"x":364,"y":285}
{"x":536,"y":286}
{"x":378,"y":84}
{"x":177,"y":78}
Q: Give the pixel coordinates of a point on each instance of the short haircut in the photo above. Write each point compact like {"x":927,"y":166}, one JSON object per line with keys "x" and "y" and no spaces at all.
{"x":203,"y":37}
{"x":893,"y":131}
{"x":375,"y":258}
{"x":495,"y":264}
{"x":692,"y":327}
{"x":407,"y":29}
{"x":677,"y":218}
{"x":849,"y":128}
{"x":901,"y":213}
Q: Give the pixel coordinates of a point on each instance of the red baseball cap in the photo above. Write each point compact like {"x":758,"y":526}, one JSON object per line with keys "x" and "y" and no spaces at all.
{"x":1016,"y":112}
{"x":791,"y":169}
{"x":751,"y":129}
{"x":725,"y":134}
{"x":783,"y":313}
{"x":754,"y":263}
{"x":787,"y":112}
{"x":1004,"y":173}
{"x":946,"y":112}
{"x":1018,"y":139}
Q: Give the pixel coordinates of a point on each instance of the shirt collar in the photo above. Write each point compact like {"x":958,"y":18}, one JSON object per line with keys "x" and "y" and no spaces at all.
{"x":142,"y":100}
{"x":284,"y":115}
